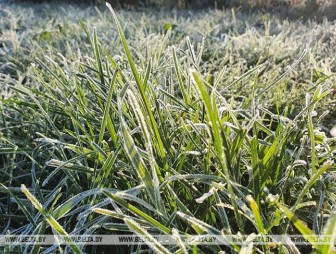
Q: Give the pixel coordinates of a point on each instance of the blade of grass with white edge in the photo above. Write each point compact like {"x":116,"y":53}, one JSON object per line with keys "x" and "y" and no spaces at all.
{"x":319,"y":94}
{"x":179,"y":102}
{"x":330,"y":231}
{"x":148,"y":72}
{"x":156,"y":174}
{"x":203,"y":228}
{"x":21,"y":205}
{"x":71,"y":203}
{"x":192,"y":53}
{"x":133,"y":152}
{"x":97,"y":56}
{"x":152,"y":122}
{"x":137,"y":162}
{"x":138,"y":202}
{"x":94,"y":88}
{"x":61,"y":166}
{"x":310,"y":126}
{"x":179,"y":241}
{"x":106,"y":116}
{"x":258,"y":219}
{"x":237,"y":144}
{"x":311,"y":182}
{"x":212,"y":113}
{"x":257,"y":215}
{"x":118,"y":215}
{"x":69,"y":166}
{"x":149,"y":219}
{"x":178,"y":203}
{"x":49,"y":218}
{"x":179,"y":77}
{"x":40,"y":231}
{"x":43,"y":112}
{"x":285,"y":73}
{"x":236,"y":81}
{"x":152,"y":243}
{"x":120,"y":76}
{"x":299,"y":224}
{"x":93,"y":154}
{"x":255,"y":165}
{"x":222,"y":214}
{"x":107,"y":169}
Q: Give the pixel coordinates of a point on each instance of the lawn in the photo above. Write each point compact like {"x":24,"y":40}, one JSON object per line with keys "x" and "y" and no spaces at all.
{"x":166,"y":123}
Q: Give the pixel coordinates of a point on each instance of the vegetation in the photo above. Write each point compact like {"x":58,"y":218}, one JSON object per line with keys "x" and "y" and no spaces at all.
{"x":167,"y":123}
{"x":321,"y":6}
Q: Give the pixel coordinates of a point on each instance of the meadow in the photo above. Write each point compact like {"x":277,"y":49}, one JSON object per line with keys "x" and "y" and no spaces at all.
{"x":176,"y":123}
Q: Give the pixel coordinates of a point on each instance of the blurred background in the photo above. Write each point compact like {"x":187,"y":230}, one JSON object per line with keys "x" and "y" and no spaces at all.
{"x":313,"y":4}
{"x":325,"y":8}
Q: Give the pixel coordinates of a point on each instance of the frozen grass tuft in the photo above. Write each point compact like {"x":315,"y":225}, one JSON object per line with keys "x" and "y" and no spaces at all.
{"x":166,"y":123}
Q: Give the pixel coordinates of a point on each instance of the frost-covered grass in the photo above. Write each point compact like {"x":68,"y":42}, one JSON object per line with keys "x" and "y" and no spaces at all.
{"x":170,"y":123}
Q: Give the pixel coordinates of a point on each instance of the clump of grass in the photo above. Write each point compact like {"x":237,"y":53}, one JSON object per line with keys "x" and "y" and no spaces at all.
{"x":162,"y":141}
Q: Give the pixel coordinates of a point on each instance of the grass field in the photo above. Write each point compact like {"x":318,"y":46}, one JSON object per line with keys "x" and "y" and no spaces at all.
{"x":166,"y":123}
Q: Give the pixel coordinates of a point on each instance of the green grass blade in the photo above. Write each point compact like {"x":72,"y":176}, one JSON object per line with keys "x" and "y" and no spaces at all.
{"x":299,"y":224}
{"x":21,"y":205}
{"x":106,"y":118}
{"x":137,"y":212}
{"x":71,"y":203}
{"x":141,"y":88}
{"x":212,"y":113}
{"x":153,"y":243}
{"x":137,"y":162}
{"x":98,"y":58}
{"x":179,"y":76}
{"x":311,"y":181}
{"x":49,"y":218}
{"x":329,"y":230}
{"x":257,"y":215}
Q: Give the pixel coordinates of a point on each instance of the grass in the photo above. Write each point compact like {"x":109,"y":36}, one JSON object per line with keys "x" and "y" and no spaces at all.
{"x":166,"y":123}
